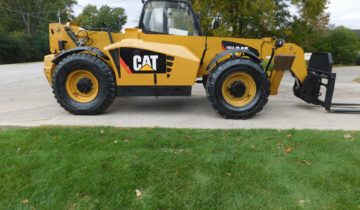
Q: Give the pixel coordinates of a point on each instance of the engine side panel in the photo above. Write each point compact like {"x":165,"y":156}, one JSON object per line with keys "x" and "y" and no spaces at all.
{"x":142,"y":63}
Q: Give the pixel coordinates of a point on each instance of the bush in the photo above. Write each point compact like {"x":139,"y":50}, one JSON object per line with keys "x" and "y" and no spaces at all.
{"x":18,"y":47}
{"x":7,"y":47}
{"x":343,"y":43}
{"x":358,"y":61}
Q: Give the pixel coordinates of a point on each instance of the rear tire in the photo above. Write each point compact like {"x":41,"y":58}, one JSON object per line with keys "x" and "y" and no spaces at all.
{"x":84,"y":85}
{"x":205,"y":79}
{"x":238,"y":88}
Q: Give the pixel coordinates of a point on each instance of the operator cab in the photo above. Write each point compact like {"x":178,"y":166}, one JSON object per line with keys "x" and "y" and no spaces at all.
{"x":173,"y":17}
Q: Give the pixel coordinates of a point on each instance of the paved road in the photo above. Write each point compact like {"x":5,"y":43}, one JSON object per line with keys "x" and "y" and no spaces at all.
{"x":26,"y":100}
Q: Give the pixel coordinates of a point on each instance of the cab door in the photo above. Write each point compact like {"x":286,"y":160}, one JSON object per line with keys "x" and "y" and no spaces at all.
{"x":174,"y":24}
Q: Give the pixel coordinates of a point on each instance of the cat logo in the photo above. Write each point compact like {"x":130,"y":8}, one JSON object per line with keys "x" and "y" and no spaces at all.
{"x":145,"y":63}
{"x":140,"y":61}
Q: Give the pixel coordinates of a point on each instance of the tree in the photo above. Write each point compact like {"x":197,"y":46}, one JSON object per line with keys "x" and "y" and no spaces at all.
{"x":246,"y":18}
{"x":105,"y":17}
{"x":24,"y":28}
{"x":31,"y":16}
{"x":343,"y":43}
{"x":310,"y":24}
{"x":260,"y":18}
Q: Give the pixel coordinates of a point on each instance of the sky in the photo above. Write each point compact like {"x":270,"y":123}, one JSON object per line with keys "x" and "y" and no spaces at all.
{"x":343,"y":12}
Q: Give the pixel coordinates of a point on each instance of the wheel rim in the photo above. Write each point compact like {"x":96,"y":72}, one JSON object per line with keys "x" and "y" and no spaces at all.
{"x":239,"y":89}
{"x":82,"y":86}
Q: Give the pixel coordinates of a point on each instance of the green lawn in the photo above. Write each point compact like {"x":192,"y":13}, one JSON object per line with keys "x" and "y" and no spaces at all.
{"x":109,"y":168}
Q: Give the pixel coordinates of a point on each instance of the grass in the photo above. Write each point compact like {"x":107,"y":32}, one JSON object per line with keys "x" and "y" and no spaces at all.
{"x":357,"y":80}
{"x":108,"y":168}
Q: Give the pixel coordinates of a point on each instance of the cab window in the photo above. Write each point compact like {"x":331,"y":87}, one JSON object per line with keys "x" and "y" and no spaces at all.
{"x":174,"y":18}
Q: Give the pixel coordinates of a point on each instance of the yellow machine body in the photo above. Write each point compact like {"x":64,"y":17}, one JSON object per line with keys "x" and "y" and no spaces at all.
{"x":166,"y":55}
{"x":187,"y":51}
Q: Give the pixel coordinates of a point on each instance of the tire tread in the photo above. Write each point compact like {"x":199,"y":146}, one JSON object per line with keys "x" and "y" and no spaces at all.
{"x":211,"y":89}
{"x":104,"y":67}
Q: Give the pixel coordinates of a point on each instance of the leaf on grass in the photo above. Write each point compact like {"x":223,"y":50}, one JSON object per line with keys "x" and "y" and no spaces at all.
{"x":102,"y":131}
{"x":188,"y":137}
{"x":289,"y":136}
{"x":228,"y":174}
{"x":303,"y":202}
{"x":348,"y":136}
{"x":288,"y":150}
{"x":115,"y":142}
{"x":252,"y":147}
{"x":86,"y":197}
{"x":19,"y":149}
{"x":25,"y":202}
{"x":178,"y":151}
{"x":306,"y":162}
{"x":72,"y":206}
{"x":138,"y":193}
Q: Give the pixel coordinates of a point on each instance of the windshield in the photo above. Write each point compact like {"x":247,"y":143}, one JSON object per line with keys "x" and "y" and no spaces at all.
{"x":174,"y":18}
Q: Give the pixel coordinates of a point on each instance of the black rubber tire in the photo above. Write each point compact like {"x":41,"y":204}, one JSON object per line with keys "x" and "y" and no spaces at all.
{"x":102,"y":72}
{"x":205,"y":79}
{"x":220,"y":73}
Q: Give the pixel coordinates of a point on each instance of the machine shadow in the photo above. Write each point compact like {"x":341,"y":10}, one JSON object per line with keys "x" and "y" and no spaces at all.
{"x":171,"y":105}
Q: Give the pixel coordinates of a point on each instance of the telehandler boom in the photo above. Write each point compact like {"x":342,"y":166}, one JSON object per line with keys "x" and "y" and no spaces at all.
{"x":167,"y":54}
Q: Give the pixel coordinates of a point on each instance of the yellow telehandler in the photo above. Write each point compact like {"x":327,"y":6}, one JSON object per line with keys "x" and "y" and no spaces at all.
{"x":167,"y":54}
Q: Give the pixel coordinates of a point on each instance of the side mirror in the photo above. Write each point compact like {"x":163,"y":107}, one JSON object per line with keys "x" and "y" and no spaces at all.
{"x":215,"y":23}
{"x":279,"y":43}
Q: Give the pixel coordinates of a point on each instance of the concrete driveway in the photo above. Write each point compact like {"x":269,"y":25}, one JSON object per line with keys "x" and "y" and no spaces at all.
{"x":26,"y":100}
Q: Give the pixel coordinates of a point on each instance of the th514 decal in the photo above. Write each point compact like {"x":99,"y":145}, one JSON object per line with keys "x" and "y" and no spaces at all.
{"x":226,"y":45}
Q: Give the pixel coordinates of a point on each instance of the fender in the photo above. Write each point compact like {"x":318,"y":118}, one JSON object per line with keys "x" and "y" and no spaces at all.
{"x":248,"y":53}
{"x":66,"y":53}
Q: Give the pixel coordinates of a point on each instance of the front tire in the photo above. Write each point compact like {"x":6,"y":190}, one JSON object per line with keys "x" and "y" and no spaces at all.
{"x":238,"y":88}
{"x":84,"y":85}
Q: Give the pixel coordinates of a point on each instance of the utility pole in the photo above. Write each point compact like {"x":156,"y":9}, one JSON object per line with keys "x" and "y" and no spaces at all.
{"x":59,"y":16}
